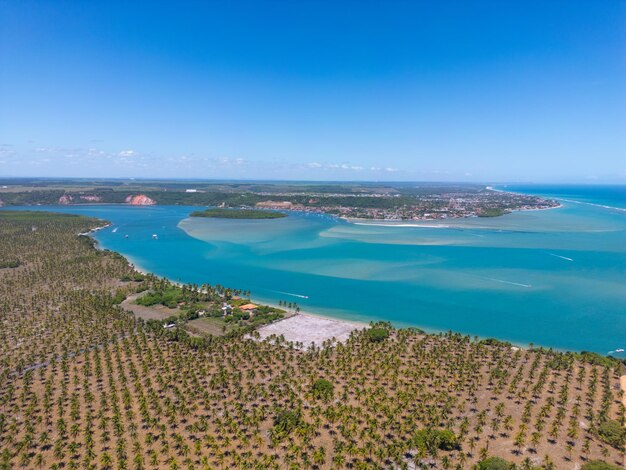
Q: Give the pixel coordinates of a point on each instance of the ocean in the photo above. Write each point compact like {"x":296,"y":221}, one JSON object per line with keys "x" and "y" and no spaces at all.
{"x":553,"y":278}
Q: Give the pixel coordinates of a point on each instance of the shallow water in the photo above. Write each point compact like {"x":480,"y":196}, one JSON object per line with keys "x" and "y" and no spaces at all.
{"x":554,"y":278}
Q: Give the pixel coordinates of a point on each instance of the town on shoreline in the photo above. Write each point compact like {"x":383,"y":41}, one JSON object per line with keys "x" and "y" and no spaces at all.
{"x":358,"y":201}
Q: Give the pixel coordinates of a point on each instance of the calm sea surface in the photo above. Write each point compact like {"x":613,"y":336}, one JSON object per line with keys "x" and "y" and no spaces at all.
{"x":553,"y":278}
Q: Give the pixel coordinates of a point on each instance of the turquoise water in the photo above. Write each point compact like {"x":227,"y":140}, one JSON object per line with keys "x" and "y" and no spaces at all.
{"x":609,"y":196}
{"x":553,"y":278}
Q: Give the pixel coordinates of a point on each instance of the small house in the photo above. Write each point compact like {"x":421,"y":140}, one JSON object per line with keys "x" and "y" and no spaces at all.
{"x":248,"y":307}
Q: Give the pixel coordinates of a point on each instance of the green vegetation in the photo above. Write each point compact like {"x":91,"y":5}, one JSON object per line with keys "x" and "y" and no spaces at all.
{"x":238,"y":214}
{"x":599,"y":465}
{"x":86,"y":384}
{"x":494,"y":342}
{"x":194,"y":302}
{"x":322,"y":389}
{"x":491,"y":212}
{"x":613,"y":433}
{"x":168,"y":297}
{"x":136,"y":277}
{"x":285,"y":422}
{"x":495,"y":463}
{"x":597,"y":359}
{"x":9,"y":263}
{"x":377,"y":334}
{"x":432,"y":440}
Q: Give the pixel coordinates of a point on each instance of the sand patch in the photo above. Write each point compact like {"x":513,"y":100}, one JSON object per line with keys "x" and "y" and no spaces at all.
{"x":307,"y":329}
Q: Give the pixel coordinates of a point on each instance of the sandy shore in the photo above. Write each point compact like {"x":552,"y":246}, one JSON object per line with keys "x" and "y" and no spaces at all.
{"x":93,"y":230}
{"x":307,"y":328}
{"x":425,"y":223}
{"x":304,"y":327}
{"x":450,"y":222}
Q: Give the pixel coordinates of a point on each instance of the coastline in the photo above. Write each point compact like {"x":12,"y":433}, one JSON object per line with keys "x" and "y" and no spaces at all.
{"x":93,"y":230}
{"x":430,"y":223}
{"x":572,"y":201}
{"x":448,"y":223}
{"x":308,"y":313}
{"x":324,"y":325}
{"x":337,"y":315}
{"x":323,"y":321}
{"x":445,"y":223}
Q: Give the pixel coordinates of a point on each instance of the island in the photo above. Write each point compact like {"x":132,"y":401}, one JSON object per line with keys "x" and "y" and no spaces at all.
{"x":220,"y":213}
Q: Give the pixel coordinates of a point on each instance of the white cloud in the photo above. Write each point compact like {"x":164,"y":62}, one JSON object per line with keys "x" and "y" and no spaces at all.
{"x":348,"y":167}
{"x":96,"y":153}
{"x":127,"y":153}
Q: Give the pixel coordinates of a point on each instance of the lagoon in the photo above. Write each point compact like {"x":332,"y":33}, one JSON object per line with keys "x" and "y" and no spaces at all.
{"x":555,"y":278}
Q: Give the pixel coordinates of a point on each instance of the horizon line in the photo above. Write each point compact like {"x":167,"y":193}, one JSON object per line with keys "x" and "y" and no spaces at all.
{"x":265,"y":180}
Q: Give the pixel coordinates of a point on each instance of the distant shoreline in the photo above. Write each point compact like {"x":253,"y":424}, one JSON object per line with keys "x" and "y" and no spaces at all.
{"x":432,"y":223}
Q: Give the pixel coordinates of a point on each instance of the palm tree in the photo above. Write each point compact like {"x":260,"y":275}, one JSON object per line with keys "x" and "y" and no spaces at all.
{"x":105,"y":460}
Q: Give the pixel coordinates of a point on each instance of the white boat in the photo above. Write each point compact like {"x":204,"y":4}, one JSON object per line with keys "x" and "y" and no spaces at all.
{"x":155,"y":236}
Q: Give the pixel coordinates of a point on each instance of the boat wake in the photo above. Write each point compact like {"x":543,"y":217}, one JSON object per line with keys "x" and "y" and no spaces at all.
{"x":562,"y":257}
{"x":293,"y":295}
{"x":502,"y":281}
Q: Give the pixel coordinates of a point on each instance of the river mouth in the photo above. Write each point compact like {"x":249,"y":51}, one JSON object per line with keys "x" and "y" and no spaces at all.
{"x":552,"y":278}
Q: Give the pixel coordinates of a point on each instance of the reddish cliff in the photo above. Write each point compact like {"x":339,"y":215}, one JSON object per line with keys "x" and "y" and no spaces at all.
{"x":65,"y":199}
{"x":140,"y":200}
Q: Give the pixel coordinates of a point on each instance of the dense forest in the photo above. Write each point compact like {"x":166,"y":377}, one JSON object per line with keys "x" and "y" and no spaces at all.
{"x":85,"y":384}
{"x":238,"y":214}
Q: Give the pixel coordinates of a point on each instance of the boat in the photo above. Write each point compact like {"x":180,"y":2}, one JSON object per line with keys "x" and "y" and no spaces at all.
{"x":155,"y":236}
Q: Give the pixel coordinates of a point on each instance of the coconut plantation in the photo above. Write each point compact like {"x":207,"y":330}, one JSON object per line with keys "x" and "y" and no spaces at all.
{"x":87,"y":384}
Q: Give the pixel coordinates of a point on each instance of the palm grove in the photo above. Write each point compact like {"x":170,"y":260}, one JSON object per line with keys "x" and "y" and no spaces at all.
{"x":84,"y":384}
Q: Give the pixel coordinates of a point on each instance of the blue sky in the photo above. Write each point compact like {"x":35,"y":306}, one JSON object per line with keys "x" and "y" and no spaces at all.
{"x":352,"y":90}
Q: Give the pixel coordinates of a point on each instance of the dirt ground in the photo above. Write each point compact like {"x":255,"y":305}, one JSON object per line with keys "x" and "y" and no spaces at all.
{"x":156,"y":312}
